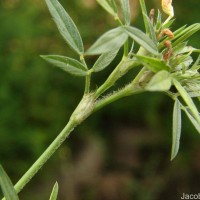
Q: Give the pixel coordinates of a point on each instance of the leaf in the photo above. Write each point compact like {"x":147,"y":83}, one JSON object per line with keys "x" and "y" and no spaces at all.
{"x":104,"y":60}
{"x":176,"y":129}
{"x":178,"y":48}
{"x":186,"y":97}
{"x":193,"y":89}
{"x":168,"y":24}
{"x":110,"y":40}
{"x":196,"y":63}
{"x":185,"y":34}
{"x":66,"y":26}
{"x":54,"y":192}
{"x":158,"y":21}
{"x":153,"y":64}
{"x":193,"y":120}
{"x":109,"y":6}
{"x":69,"y":65}
{"x":144,"y":12}
{"x":151,"y":30}
{"x":161,"y":81}
{"x":126,"y":11}
{"x":7,"y":186}
{"x":142,"y":39}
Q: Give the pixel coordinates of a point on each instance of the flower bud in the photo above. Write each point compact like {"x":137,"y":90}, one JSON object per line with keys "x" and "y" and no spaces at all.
{"x":167,"y":7}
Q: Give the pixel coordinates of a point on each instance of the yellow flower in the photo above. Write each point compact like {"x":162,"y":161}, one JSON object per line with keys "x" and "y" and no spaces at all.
{"x":168,"y":8}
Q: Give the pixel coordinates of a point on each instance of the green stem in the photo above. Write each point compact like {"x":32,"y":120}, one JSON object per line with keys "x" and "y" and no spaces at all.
{"x":83,"y":110}
{"x":45,"y":156}
{"x":128,"y":90}
{"x":122,"y":68}
{"x":126,"y":49}
{"x":87,"y":83}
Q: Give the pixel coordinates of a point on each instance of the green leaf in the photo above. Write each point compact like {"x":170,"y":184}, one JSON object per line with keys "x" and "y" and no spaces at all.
{"x":54,"y":192}
{"x":151,"y":30}
{"x":142,"y":39}
{"x":7,"y":186}
{"x":196,"y":63}
{"x":186,"y":97}
{"x":161,"y":81}
{"x":69,"y":65}
{"x":158,"y":21}
{"x":178,"y":48}
{"x":193,"y":120}
{"x":152,"y":64}
{"x":144,"y":12}
{"x":109,"y":6}
{"x":126,"y":11}
{"x":176,"y":129}
{"x":66,"y":26}
{"x":186,"y":33}
{"x":110,"y":40}
{"x":168,"y":24}
{"x":104,"y":60}
{"x":193,"y":88}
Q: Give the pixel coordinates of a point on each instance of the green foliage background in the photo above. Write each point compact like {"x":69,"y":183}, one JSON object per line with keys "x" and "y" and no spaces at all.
{"x":36,"y":101}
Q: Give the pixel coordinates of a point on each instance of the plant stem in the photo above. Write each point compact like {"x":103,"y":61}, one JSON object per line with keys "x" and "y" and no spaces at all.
{"x":45,"y":156}
{"x":126,"y":48}
{"x":128,"y":90}
{"x":122,"y":68}
{"x":87,"y":83}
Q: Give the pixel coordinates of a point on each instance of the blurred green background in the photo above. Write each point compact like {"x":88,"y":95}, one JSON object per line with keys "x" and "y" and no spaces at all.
{"x":120,"y":153}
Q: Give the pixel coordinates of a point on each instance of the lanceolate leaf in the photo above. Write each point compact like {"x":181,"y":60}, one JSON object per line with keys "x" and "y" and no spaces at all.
{"x":67,"y":64}
{"x":54,"y":193}
{"x":142,"y":39}
{"x":109,"y":6}
{"x":144,"y":12}
{"x":7,"y":186}
{"x":193,"y":120}
{"x":104,"y":60}
{"x":110,"y":40}
{"x":184,"y":35}
{"x":161,"y":81}
{"x":196,"y":63}
{"x":153,"y":64}
{"x":176,"y":129}
{"x":126,"y":11}
{"x":186,"y":97}
{"x":158,"y":21}
{"x":151,"y":30}
{"x":65,"y":25}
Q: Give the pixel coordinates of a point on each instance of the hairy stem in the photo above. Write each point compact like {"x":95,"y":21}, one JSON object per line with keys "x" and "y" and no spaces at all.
{"x":126,"y":91}
{"x":123,"y":67}
{"x":45,"y":156}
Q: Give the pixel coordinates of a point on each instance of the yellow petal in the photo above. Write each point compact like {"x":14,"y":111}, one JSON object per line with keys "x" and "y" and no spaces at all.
{"x":167,"y":7}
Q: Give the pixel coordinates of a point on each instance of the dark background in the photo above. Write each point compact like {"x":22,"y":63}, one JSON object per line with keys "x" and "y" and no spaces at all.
{"x":121,"y":152}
